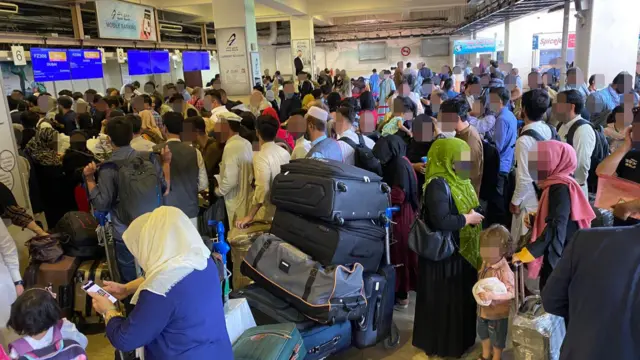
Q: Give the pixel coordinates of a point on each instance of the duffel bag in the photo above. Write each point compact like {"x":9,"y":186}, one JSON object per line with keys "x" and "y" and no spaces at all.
{"x":240,"y":241}
{"x":270,"y":342}
{"x":329,"y":190}
{"x":80,"y":227}
{"x":357,"y":241}
{"x":327,"y":295}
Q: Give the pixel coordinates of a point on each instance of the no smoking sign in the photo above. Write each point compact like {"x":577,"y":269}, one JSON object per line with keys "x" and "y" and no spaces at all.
{"x":405,"y":51}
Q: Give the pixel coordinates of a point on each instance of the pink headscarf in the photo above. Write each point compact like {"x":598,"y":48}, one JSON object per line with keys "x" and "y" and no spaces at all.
{"x":282,"y":133}
{"x":559,"y":161}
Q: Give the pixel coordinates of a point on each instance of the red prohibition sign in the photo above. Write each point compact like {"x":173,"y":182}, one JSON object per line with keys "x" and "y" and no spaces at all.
{"x":405,"y":51}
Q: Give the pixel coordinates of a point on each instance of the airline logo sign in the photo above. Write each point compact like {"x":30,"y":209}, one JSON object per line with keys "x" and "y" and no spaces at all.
{"x":552,"y":41}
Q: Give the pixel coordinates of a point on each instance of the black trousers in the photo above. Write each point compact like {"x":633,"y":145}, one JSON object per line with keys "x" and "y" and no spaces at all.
{"x":498,"y":207}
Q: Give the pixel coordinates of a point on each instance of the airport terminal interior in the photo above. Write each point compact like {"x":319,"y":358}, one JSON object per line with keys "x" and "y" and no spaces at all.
{"x":342,"y":180}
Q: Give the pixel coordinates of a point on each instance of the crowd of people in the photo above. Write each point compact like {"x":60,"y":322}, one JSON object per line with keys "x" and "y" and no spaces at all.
{"x":461,"y":149}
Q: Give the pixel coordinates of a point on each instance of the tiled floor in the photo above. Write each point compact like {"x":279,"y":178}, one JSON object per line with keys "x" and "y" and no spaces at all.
{"x":99,"y":348}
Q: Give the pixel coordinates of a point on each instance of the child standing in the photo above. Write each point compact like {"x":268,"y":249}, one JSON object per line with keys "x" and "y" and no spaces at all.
{"x":495,"y":245}
{"x":36,"y":316}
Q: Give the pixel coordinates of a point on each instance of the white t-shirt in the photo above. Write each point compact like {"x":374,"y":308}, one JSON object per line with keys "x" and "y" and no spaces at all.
{"x":348,"y":153}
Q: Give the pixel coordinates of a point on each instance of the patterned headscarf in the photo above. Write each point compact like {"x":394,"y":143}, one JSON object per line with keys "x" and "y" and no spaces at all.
{"x":42,"y":147}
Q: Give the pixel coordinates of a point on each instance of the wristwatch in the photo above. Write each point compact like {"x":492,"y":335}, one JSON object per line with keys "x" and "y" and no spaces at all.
{"x":19,"y":282}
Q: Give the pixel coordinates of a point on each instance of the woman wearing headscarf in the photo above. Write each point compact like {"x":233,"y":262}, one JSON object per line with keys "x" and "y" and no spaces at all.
{"x":445,"y":317}
{"x":308,"y":99}
{"x":399,"y":175}
{"x":42,"y":149}
{"x":282,"y":133}
{"x":271,"y":98}
{"x":345,"y":85}
{"x":562,"y":208}
{"x":74,"y":160}
{"x":150,"y":129}
{"x":178,"y":312}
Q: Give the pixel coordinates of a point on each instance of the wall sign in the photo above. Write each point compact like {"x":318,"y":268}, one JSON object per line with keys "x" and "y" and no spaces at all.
{"x":255,"y":68}
{"x":405,"y":51}
{"x":234,"y":64}
{"x":124,"y":20}
{"x":18,"y":55}
{"x":552,"y":41}
{"x":302,"y":48}
{"x":120,"y":55}
{"x":461,"y":47}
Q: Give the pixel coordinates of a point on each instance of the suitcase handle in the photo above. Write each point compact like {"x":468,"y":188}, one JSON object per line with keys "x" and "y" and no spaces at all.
{"x":322,"y":347}
{"x":519,"y":282}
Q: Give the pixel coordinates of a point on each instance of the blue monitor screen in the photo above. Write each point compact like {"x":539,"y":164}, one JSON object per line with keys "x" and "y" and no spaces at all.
{"x":50,"y":64}
{"x":191,"y":61}
{"x":160,"y":63}
{"x":85,"y":64}
{"x":206,"y":61}
{"x":139,"y":62}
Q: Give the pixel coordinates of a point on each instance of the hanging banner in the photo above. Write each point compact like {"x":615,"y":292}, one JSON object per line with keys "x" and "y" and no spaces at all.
{"x":255,"y":68}
{"x":124,"y":20}
{"x":461,"y":47}
{"x":302,"y":49}
{"x":234,"y":61}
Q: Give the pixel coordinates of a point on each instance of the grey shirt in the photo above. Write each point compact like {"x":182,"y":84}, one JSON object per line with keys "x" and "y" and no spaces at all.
{"x":105,"y":195}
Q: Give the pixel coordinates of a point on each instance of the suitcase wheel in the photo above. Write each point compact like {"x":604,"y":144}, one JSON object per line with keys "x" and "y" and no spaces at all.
{"x":338,"y":220}
{"x":393,"y":340}
{"x":385,"y":188}
{"x":342,"y":187}
{"x":361,"y":324}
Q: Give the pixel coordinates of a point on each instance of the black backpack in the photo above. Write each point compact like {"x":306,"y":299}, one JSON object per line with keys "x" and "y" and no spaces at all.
{"x":534,"y":134}
{"x":490,"y":170}
{"x":600,"y":151}
{"x":364,"y":157}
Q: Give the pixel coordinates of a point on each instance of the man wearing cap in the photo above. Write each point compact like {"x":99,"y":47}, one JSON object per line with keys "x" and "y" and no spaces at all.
{"x":321,"y":146}
{"x":236,"y":167}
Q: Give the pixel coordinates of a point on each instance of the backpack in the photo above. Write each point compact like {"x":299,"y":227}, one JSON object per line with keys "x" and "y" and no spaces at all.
{"x":59,"y":349}
{"x":139,"y":187}
{"x":80,"y":227}
{"x":534,"y":134}
{"x":364,"y":156}
{"x":490,"y":170}
{"x":600,"y":151}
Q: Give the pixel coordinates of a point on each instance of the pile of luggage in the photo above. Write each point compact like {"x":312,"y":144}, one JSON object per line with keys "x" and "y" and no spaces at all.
{"x":320,"y":266}
{"x":66,"y":260}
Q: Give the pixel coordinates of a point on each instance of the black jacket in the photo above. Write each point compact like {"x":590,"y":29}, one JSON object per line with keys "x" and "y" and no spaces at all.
{"x":439,"y":210}
{"x":596,"y":287}
{"x":297,"y":63}
{"x":288,"y":106}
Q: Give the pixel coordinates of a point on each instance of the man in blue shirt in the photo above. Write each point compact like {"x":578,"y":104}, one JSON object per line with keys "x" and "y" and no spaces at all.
{"x":374,"y":84}
{"x":322,"y":147}
{"x":602,"y":102}
{"x":506,"y":128}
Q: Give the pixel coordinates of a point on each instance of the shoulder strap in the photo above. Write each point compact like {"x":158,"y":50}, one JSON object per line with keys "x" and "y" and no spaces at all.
{"x":361,"y":140}
{"x":349,"y":142}
{"x":573,"y":129}
{"x":532,"y":133}
{"x":21,"y":346}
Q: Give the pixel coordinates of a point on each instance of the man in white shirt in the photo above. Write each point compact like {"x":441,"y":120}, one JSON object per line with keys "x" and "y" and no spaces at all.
{"x":568,"y":109}
{"x":345,"y":116}
{"x":236,"y":167}
{"x":138,"y":142}
{"x":534,"y":105}
{"x":297,"y":127}
{"x":213,"y":102}
{"x":266,"y":165}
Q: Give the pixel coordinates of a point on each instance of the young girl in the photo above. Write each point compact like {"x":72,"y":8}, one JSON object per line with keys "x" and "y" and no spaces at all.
{"x":403,"y":110}
{"x":37,"y":316}
{"x":495,"y":245}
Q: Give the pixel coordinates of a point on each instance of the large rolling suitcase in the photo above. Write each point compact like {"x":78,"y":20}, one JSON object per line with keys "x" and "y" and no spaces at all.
{"x":357,"y":241}
{"x":270,"y":342}
{"x":59,"y":276}
{"x":320,"y":341}
{"x":96,"y":271}
{"x":329,"y":190}
{"x":240,"y":240}
{"x":377,"y":323}
{"x":536,"y":334}
{"x":325,"y":294}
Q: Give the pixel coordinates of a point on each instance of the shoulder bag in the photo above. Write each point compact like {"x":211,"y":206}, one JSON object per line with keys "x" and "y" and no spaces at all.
{"x":434,"y":245}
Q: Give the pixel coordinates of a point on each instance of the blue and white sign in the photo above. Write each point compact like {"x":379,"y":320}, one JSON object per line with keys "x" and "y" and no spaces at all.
{"x":85,"y":64}
{"x":461,"y":47}
{"x":124,"y":20}
{"x":50,"y":64}
{"x":536,"y":40}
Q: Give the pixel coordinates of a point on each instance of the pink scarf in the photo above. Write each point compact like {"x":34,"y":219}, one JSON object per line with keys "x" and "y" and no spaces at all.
{"x":558,"y":161}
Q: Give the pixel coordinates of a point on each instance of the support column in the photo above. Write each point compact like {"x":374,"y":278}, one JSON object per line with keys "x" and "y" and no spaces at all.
{"x":507,"y":38}
{"x":597,"y":51}
{"x":76,"y":21}
{"x":237,"y":43}
{"x":565,"y":42}
{"x":302,"y":42}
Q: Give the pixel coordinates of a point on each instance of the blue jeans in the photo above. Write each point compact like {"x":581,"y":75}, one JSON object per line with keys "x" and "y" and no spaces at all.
{"x":126,"y":262}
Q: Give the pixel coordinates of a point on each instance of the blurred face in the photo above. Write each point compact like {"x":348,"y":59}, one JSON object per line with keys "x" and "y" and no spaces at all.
{"x":15,"y":95}
{"x":368,"y":122}
{"x":177,"y":106}
{"x":423,"y":129}
{"x":490,"y":252}
{"x":128,"y":93}
{"x":448,"y":121}
{"x":171,"y":92}
{"x":222,"y":131}
{"x":297,"y":125}
{"x":217,"y":85}
{"x":404,"y":90}
{"x":474,"y":89}
{"x":562,"y":109}
{"x":255,"y":99}
{"x":43,"y":103}
{"x":462,"y":166}
{"x":138,"y":103}
{"x":534,"y":81}
{"x":180,"y":88}
{"x":148,"y":88}
{"x":436,"y":100}
{"x":624,"y":119}
{"x":495,"y":103}
{"x":114,"y":92}
{"x":538,"y":164}
{"x":288,"y":89}
{"x":101,"y":105}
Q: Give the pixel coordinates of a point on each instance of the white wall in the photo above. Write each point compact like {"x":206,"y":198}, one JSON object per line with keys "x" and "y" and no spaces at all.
{"x":344,"y":55}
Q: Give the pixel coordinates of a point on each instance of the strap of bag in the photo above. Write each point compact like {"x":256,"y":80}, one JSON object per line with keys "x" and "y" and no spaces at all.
{"x":21,"y":346}
{"x":519,"y":288}
{"x":349,"y":142}
{"x":264,"y":248}
{"x":573,"y":128}
{"x":310,"y":280}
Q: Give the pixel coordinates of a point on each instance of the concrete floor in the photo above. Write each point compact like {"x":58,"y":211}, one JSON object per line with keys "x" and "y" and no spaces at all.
{"x":100,"y":349}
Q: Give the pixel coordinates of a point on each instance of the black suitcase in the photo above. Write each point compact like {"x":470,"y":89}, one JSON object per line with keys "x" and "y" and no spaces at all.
{"x":377,"y":323}
{"x":357,"y":241}
{"x":269,"y":309}
{"x":320,"y":341}
{"x":329,"y":190}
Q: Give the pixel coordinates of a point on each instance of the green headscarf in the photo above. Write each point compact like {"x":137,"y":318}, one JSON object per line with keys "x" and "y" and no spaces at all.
{"x":442,"y":155}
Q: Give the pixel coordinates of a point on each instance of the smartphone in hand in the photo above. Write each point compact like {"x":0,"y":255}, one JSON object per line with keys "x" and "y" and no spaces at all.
{"x":91,"y":287}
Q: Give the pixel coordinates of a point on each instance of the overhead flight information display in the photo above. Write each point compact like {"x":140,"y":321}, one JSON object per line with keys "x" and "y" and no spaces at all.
{"x":85,"y":64}
{"x":160,"y":63}
{"x":139,"y":62}
{"x":195,"y":60}
{"x":50,"y":64}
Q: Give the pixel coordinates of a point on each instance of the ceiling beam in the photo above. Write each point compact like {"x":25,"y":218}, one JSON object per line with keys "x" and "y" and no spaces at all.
{"x":289,"y":7}
{"x":322,"y":20}
{"x":340,"y":8}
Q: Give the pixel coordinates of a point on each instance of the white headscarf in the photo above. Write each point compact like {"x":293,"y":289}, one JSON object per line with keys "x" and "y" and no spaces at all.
{"x":167,"y":246}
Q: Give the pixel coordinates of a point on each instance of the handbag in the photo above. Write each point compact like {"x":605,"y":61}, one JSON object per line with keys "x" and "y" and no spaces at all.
{"x":434,"y":245}
{"x":46,"y":249}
